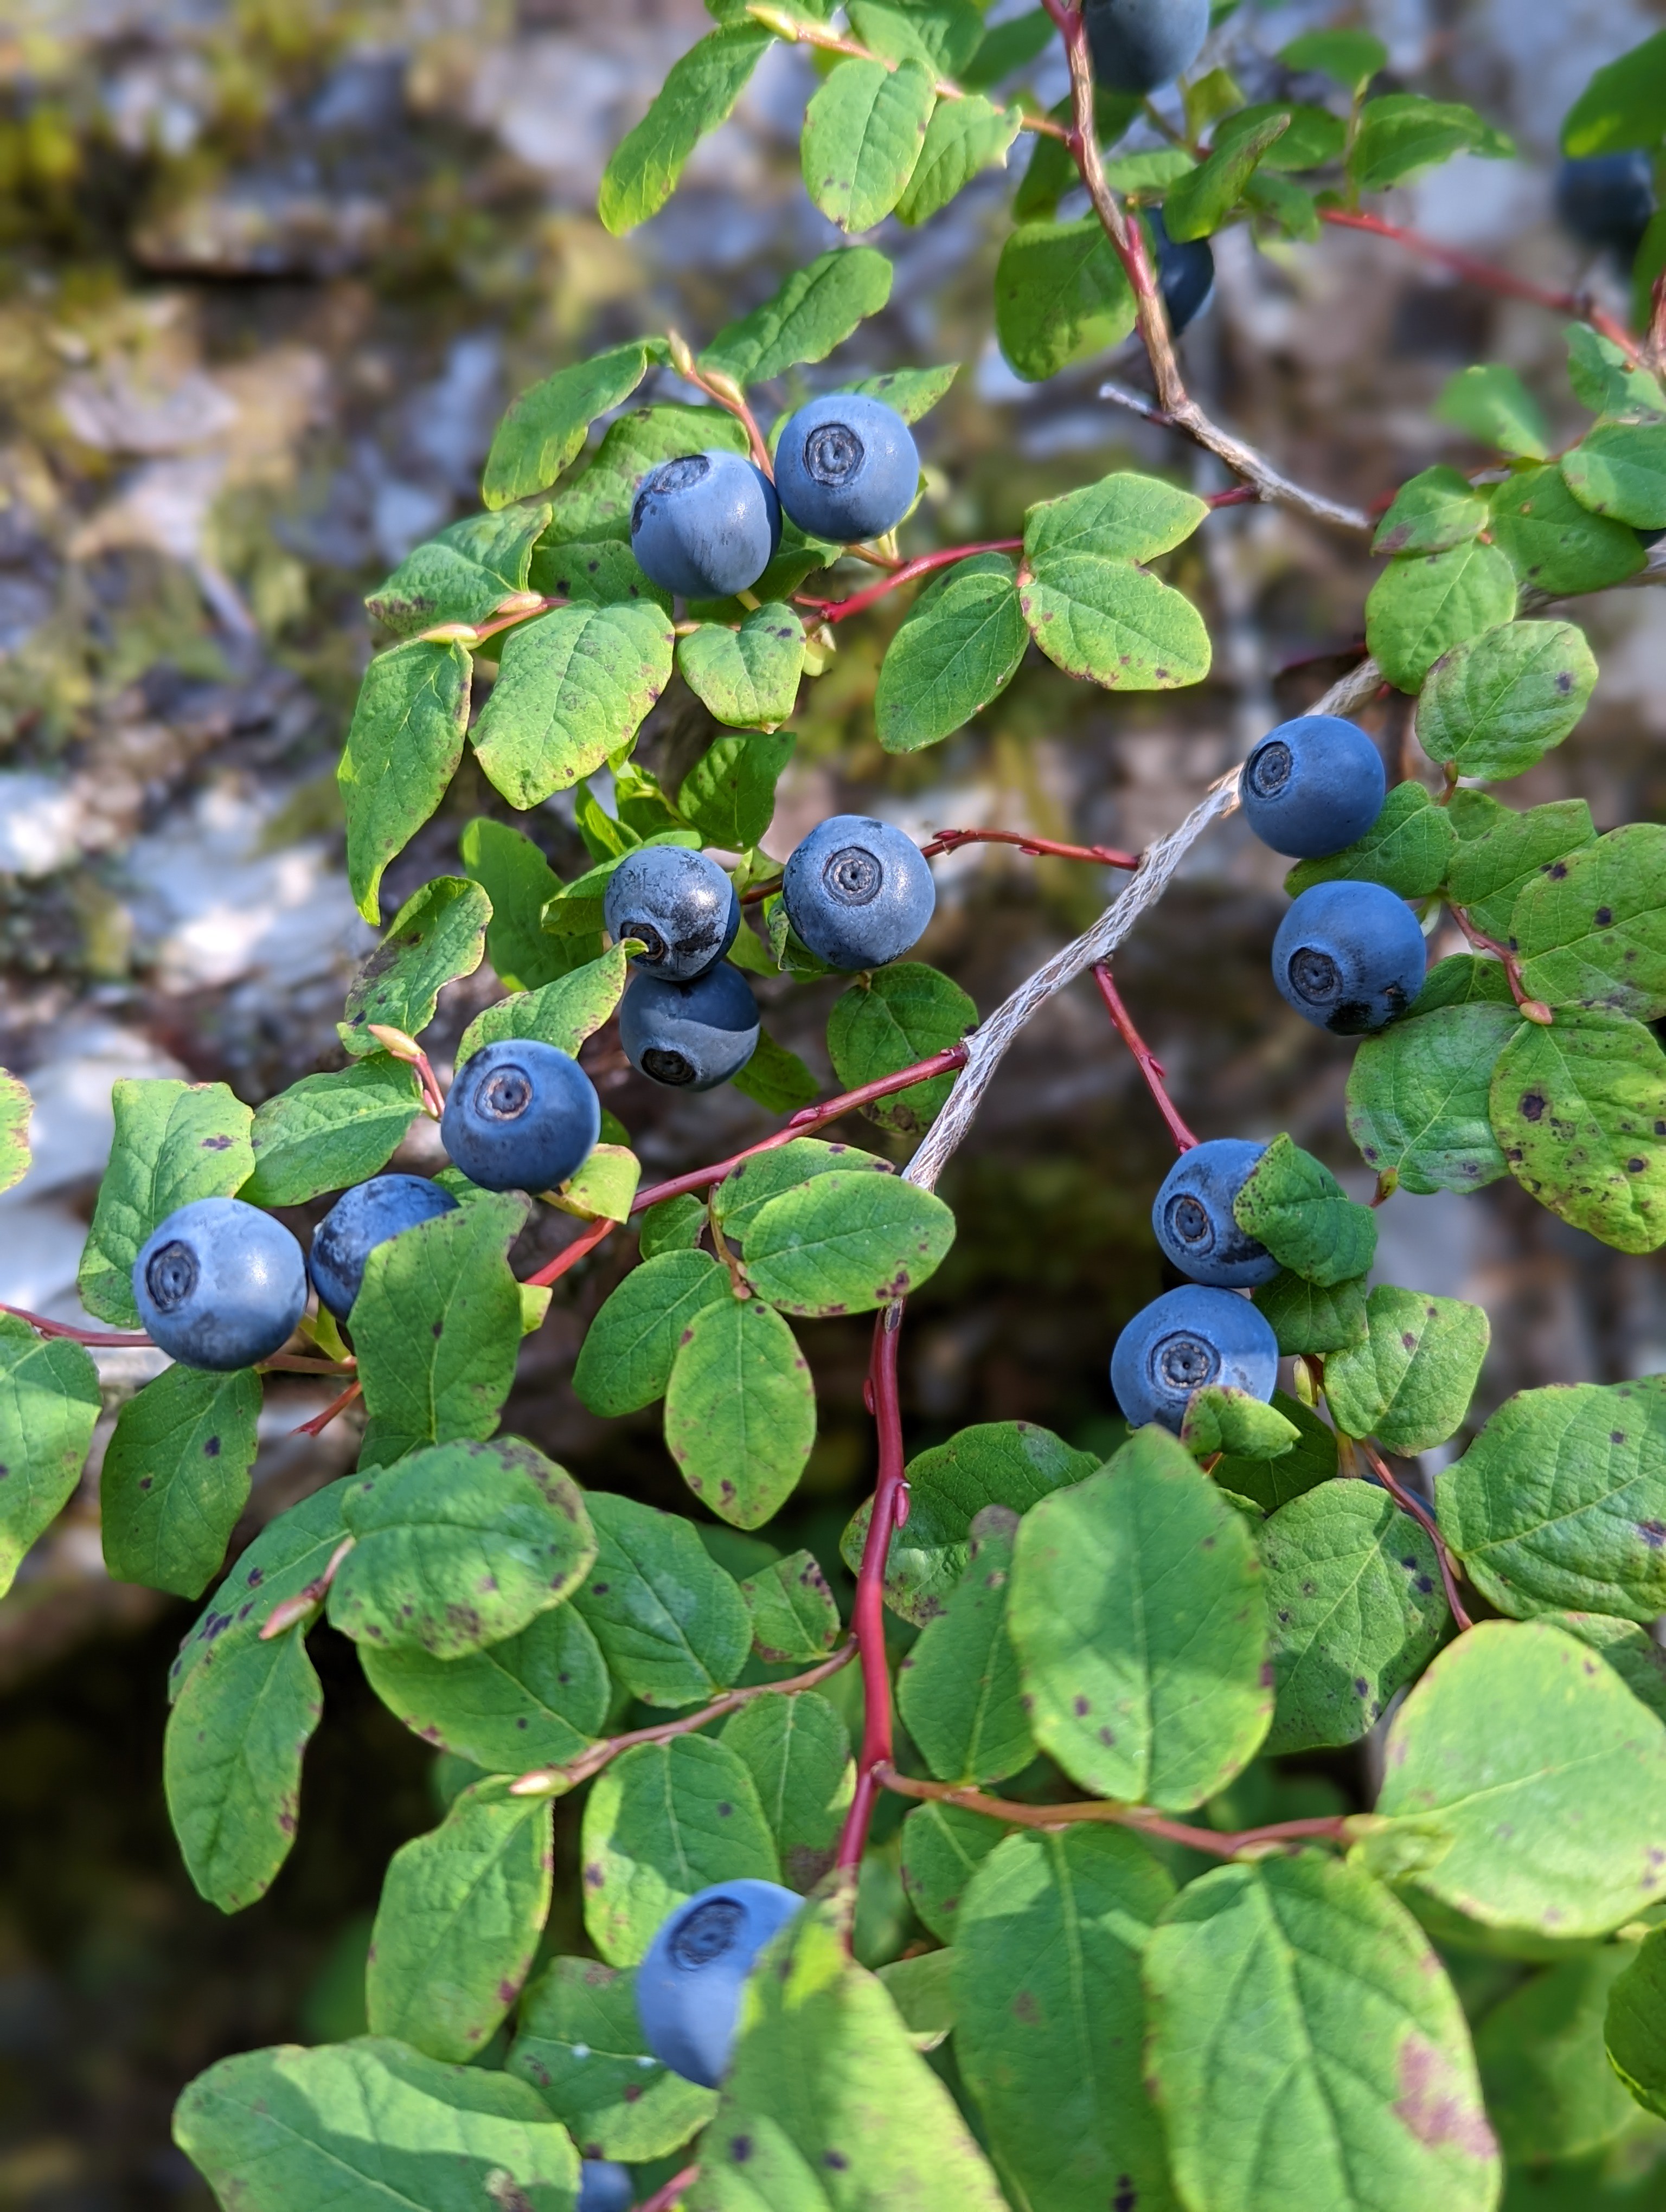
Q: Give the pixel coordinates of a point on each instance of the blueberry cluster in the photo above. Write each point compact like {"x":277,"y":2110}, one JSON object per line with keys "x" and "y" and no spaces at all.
{"x":709,"y":524}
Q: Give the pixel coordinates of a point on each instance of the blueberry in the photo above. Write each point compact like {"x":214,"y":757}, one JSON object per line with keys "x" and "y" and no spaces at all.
{"x":706,"y":526}
{"x":680,"y":904}
{"x":1607,"y":201}
{"x":1183,"y":1340}
{"x":1185,"y":273}
{"x":1312,"y":786}
{"x":1349,"y":956}
{"x":1194,"y":1220}
{"x":696,"y":1034}
{"x":521,"y":1117}
{"x":1138,"y":45}
{"x":857,"y":892}
{"x":368,"y":1215}
{"x":604,"y":2186}
{"x":688,"y":1987}
{"x":847,"y":467}
{"x":220,"y":1284}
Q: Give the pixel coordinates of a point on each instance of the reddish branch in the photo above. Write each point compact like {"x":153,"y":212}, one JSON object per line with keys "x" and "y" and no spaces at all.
{"x":320,"y":1422}
{"x":1332,"y":1828}
{"x":867,"y":1619}
{"x":1419,"y":1512}
{"x":838,"y":611}
{"x":951,"y":841}
{"x":668,"y":2191}
{"x":1531,"y":1010}
{"x":1146,"y":1060}
{"x":42,"y":1326}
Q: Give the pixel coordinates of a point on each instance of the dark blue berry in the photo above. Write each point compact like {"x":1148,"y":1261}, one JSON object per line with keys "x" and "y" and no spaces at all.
{"x":857,"y":892}
{"x":1312,"y":786}
{"x":1184,"y":1340}
{"x":693,"y":1036}
{"x":1349,"y":956}
{"x":1608,"y":200}
{"x":1185,"y":273}
{"x":521,"y":1117}
{"x":220,"y":1284}
{"x":688,"y":1987}
{"x":706,"y":526}
{"x":361,"y":1217}
{"x":604,"y":2186}
{"x":1139,"y":45}
{"x":1194,"y":1220}
{"x":847,"y":467}
{"x":681,"y":905}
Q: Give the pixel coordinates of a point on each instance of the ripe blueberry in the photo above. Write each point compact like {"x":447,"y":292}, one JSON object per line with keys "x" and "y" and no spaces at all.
{"x":220,"y":1284}
{"x":521,"y":1117}
{"x":1312,"y":786}
{"x":1608,"y":200}
{"x":706,"y":526}
{"x":847,"y":467}
{"x":1349,"y":956}
{"x":1138,"y":45}
{"x":1183,"y":1340}
{"x":1193,"y":1221}
{"x":694,"y":1036}
{"x":1185,"y":273}
{"x":681,"y":906}
{"x":857,"y":892}
{"x":604,"y":2186}
{"x":365,"y":1216}
{"x":688,"y":1987}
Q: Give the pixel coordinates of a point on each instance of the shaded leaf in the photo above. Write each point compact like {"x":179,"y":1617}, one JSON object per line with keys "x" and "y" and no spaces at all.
{"x":1409,"y":1382}
{"x":176,"y":1477}
{"x":893,"y":1019}
{"x":794,"y":1617}
{"x":747,"y":677}
{"x":741,"y":1409}
{"x":1311,"y":1460}
{"x":674,"y":1627}
{"x":1407,"y":847}
{"x":579,"y":2043}
{"x":438,"y":936}
{"x":1060,"y":294}
{"x":957,"y":1689}
{"x":1591,"y":928}
{"x":1431,"y":513}
{"x":49,"y":1407}
{"x":1423,"y":605}
{"x":1418,"y":1096}
{"x":1292,"y":1204}
{"x":403,"y":747}
{"x":943,"y":1847}
{"x":535,"y":1699}
{"x":1496,"y":704}
{"x":797,"y":1750}
{"x":628,"y":1349}
{"x":463,"y":575}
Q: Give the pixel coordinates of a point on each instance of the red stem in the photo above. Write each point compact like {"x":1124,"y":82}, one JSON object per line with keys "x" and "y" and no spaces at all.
{"x":836,"y":611}
{"x":668,"y":2191}
{"x":1326,"y":1827}
{"x":1490,"y":278}
{"x":867,"y":1619}
{"x":569,"y":1255}
{"x":949,"y":840}
{"x":44,"y":1327}
{"x":1149,"y":1066}
{"x":1409,"y":1503}
{"x":320,"y":1422}
{"x":1531,"y":1010}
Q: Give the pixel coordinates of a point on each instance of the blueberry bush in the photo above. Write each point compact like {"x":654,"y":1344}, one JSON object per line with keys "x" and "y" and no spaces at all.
{"x":1141,"y":1979}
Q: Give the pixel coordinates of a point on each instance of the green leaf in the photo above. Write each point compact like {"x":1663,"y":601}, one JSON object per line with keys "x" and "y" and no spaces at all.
{"x":1431,"y":512}
{"x":438,"y":936}
{"x":828,"y":2104}
{"x":1591,"y":929}
{"x":595,"y":502}
{"x":403,"y":747}
{"x":15,"y":1107}
{"x":957,"y":1689}
{"x":660,"y":1824}
{"x":1609,"y":381}
{"x":963,"y":138}
{"x":749,"y":677}
{"x":1407,"y":847}
{"x":775,"y":1078}
{"x":462,"y":575}
{"x":1355,"y":1609}
{"x":1410,"y":1382}
{"x":175,"y":1142}
{"x":1576,"y":1108}
{"x":1561,"y":1501}
{"x":1489,"y":870}
{"x":367,"y":2123}
{"x":1351,"y":57}
{"x":626,"y":1361}
{"x":1623,"y":106}
{"x":1401,"y":132}
{"x":579,"y":2043}
{"x":1554,"y":544}
{"x":458,"y":1546}
{"x":993,"y":1463}
{"x":519,"y":882}
{"x":912,"y":391}
{"x":957,"y":648}
{"x":942,"y":33}
{"x":286,"y":1559}
{"x":545,"y":427}
{"x":1308,"y":1318}
{"x":1050,"y":2018}
{"x":1550,"y":2090}
{"x":562,"y":1013}
{"x":1128,"y":1592}
{"x":1309,"y":2050}
{"x":1202,"y":200}
{"x":601,"y":572}
{"x":700,"y":91}
{"x":1292,"y":1204}
{"x":1635,"y":2025}
{"x":1423,"y":605}
{"x":49,"y":1407}
{"x":329,"y":1131}
{"x":1315,"y":137}
{"x":741,"y":1197}
{"x":1628,"y":1647}
{"x":729,"y":795}
{"x":1060,"y":295}
{"x":603,"y":1188}
{"x":1311,"y":1460}
{"x":1498,"y":703}
{"x":1524,"y":1785}
{"x":846,"y":1243}
{"x":176,"y":1476}
{"x":1007,"y":46}
{"x":816,"y":309}
{"x":1091,"y":610}
{"x":1620,"y":470}
{"x":1219,"y":1419}
{"x":231,"y":1763}
{"x":889,"y":1020}
{"x":1495,"y":408}
{"x":1464,"y":979}
{"x":535,"y":1699}
{"x":942,"y":1848}
{"x":863,"y":134}
{"x":797,"y":1750}
{"x":1418,"y":1098}
{"x":674,"y":1627}
{"x":741,"y":1410}
{"x":674,"y":1226}
{"x":573,"y":687}
{"x":436,"y":1326}
{"x":794,"y":1618}
{"x":460,"y":1914}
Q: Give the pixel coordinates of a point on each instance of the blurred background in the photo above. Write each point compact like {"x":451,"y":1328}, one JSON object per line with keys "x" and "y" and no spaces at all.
{"x":269,"y":272}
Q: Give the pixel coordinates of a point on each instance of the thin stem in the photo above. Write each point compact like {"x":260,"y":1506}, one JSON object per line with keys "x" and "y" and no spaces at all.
{"x":867,"y":1619}
{"x":796,"y":32}
{"x":556,"y":1781}
{"x":1419,"y":1512}
{"x":1145,"y":1058}
{"x":290,"y":1363}
{"x":951,"y":841}
{"x":1266,"y":481}
{"x":728,"y":394}
{"x":570,"y":1255}
{"x":320,"y":1422}
{"x":838,"y":611}
{"x":40,"y":1323}
{"x":668,"y":2191}
{"x":477,"y":633}
{"x":1279,"y":1834}
{"x":307,"y":1601}
{"x":1531,"y":1010}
